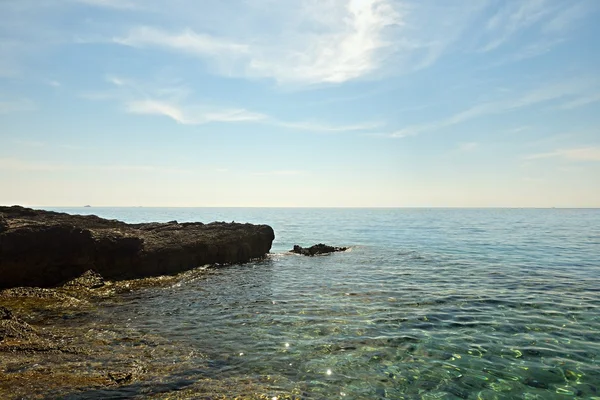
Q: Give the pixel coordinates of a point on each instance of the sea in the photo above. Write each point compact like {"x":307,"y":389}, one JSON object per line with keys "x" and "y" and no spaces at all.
{"x":425,"y":304}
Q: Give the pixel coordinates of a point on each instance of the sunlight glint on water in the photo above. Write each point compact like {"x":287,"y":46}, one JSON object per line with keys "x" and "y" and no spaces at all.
{"x":427,"y":304}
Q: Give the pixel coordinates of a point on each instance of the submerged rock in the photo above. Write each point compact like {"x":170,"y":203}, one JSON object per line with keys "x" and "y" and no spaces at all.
{"x":316,"y":249}
{"x":43,"y":248}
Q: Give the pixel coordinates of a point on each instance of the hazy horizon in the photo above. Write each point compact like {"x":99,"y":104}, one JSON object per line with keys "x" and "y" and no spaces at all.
{"x":46,"y":207}
{"x":341,"y":103}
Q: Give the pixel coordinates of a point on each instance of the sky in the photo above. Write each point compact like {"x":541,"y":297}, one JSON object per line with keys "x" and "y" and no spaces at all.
{"x":304,"y":103}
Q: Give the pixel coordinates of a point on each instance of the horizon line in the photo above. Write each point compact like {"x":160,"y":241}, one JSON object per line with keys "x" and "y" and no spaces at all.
{"x":328,"y":207}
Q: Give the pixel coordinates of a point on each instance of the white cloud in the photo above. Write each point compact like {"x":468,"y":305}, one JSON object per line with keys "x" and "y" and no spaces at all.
{"x":192,"y":115}
{"x":174,"y":102}
{"x":575,"y":154}
{"x":187,"y":41}
{"x":308,"y":42}
{"x":169,"y":101}
{"x":335,"y":41}
{"x":157,"y":108}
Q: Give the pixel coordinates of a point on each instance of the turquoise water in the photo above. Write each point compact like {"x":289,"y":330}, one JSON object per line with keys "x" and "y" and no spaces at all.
{"x":428,"y":303}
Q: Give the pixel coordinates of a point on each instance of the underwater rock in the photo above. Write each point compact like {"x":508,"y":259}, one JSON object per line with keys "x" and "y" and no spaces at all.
{"x":316,"y":249}
{"x":44,"y":248}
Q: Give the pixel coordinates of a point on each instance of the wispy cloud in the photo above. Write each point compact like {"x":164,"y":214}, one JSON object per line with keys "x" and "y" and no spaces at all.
{"x":29,"y":143}
{"x":157,"y":108}
{"x":591,"y":153}
{"x":169,"y":101}
{"x":574,"y":89}
{"x":319,"y":127}
{"x":175,"y":102}
{"x":468,"y":146}
{"x":333,"y":42}
{"x":566,"y":17}
{"x":194,"y":115}
{"x":511,"y":18}
{"x":530,"y":28}
{"x":17,"y":105}
{"x":581,"y":101}
{"x":16,"y":164}
{"x":187,"y":41}
{"x":139,"y":168}
{"x":116,"y":4}
{"x":279,"y":173}
{"x":518,"y":129}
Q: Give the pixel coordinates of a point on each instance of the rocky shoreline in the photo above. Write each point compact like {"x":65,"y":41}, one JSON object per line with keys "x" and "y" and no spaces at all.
{"x":44,"y":249}
{"x":62,"y":275}
{"x":65,"y":342}
{"x":58,"y":272}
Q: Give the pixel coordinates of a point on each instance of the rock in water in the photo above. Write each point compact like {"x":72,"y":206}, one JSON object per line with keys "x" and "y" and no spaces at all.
{"x":316,"y":249}
{"x":44,"y":248}
{"x":89,"y":280}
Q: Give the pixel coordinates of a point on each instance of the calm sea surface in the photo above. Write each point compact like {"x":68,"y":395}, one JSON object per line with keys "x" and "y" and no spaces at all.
{"x":428,"y":303}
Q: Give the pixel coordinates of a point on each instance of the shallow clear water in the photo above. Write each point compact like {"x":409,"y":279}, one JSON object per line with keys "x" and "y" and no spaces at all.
{"x":428,"y":303}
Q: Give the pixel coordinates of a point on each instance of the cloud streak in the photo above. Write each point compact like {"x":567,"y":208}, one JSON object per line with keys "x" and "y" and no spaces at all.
{"x":15,"y":164}
{"x":173,"y":102}
{"x":116,"y":4}
{"x":581,"y":102}
{"x":18,"y":105}
{"x":195,"y":115}
{"x":513,"y":17}
{"x":580,"y":154}
{"x":576,"y":90}
{"x":187,"y":41}
{"x":468,"y":146}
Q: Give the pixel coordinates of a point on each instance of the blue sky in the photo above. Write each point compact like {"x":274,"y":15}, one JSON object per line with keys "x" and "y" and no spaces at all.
{"x":382,"y":103}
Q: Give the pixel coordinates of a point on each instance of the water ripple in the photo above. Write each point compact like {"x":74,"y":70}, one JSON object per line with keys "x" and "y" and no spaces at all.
{"x":428,"y":304}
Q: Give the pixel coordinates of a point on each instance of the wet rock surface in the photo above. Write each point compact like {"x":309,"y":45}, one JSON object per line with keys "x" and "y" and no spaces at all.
{"x":316,"y":249}
{"x":45,"y":249}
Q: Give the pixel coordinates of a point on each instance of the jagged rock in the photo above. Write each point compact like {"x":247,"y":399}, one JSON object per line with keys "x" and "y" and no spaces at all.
{"x":89,"y":280}
{"x":13,"y":327}
{"x":43,"y":248}
{"x":120,"y":377}
{"x":316,"y":249}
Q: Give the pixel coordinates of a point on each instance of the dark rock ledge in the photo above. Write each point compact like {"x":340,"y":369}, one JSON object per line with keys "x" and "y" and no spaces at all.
{"x":44,"y":249}
{"x":316,"y":249}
